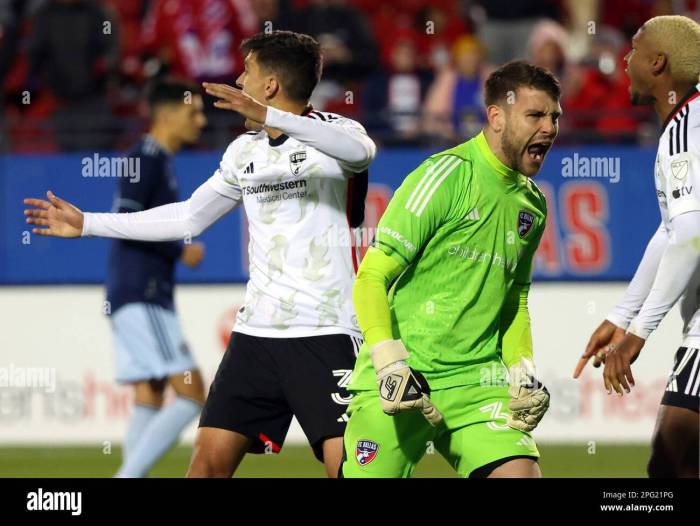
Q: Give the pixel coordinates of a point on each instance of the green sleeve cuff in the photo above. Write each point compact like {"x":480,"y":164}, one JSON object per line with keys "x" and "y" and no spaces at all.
{"x":370,"y":295}
{"x":516,"y":335}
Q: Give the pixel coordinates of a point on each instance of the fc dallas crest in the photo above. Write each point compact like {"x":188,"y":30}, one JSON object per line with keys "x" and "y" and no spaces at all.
{"x":525,"y":222}
{"x":366,"y":451}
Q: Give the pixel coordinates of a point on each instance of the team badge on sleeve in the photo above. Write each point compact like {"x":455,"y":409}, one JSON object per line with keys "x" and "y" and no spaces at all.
{"x":525,"y":222}
{"x":366,"y":451}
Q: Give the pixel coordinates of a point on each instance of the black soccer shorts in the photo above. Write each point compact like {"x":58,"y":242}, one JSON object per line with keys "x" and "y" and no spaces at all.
{"x":683,"y":387}
{"x":261,"y":382}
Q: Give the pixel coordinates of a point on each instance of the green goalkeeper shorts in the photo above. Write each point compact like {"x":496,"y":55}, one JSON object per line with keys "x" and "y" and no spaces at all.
{"x":474,"y":433}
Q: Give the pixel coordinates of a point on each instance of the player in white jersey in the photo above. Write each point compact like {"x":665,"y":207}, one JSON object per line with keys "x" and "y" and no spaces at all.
{"x":663,"y":67}
{"x":295,"y":339}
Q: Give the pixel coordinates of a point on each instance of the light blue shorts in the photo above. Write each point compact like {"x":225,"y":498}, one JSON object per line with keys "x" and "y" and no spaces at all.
{"x":148,"y":343}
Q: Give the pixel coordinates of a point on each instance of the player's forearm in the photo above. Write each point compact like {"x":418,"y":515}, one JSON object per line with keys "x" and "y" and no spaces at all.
{"x":516,"y":339}
{"x":679,"y":261}
{"x":164,"y":223}
{"x":349,"y":145}
{"x":640,"y":286}
{"x":374,"y":277}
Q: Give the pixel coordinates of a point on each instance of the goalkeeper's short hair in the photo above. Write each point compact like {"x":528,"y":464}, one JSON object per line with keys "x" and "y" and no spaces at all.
{"x":516,"y":74}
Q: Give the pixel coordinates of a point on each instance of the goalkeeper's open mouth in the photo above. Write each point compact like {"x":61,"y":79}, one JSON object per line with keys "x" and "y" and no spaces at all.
{"x":536,"y":151}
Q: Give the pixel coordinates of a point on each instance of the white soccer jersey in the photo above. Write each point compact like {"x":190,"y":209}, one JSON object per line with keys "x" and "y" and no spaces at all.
{"x":677,"y":178}
{"x":296,"y":200}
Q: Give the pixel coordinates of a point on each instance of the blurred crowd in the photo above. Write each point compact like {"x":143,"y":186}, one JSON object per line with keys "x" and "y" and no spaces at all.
{"x":72,"y":72}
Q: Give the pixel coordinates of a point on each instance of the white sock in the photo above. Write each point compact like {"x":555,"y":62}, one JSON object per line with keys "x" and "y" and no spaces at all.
{"x":158,"y":437}
{"x":141,"y":416}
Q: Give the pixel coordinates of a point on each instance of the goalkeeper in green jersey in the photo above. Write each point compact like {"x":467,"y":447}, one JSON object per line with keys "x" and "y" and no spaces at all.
{"x":441,"y":298}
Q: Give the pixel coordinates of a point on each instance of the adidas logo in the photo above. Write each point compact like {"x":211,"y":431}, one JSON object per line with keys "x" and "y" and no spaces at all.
{"x":473,"y":214}
{"x":525,"y":441}
{"x":249,"y":169}
{"x":412,"y":391}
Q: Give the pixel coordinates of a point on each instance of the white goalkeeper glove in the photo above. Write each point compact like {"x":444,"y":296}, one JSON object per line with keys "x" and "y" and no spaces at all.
{"x":529,"y":397}
{"x":400,"y":387}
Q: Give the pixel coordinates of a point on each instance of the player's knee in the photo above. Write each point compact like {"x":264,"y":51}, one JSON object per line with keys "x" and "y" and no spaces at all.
{"x":205,"y":466}
{"x":189,"y":385}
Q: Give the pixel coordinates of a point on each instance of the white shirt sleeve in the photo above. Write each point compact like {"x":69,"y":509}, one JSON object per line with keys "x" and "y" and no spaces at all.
{"x":169,"y":222}
{"x":220,"y":194}
{"x":678,"y":263}
{"x":682,"y":170}
{"x":638,"y":289}
{"x":343,"y":139}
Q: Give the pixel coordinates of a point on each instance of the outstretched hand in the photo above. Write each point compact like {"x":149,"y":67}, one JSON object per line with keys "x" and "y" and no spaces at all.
{"x":55,"y":217}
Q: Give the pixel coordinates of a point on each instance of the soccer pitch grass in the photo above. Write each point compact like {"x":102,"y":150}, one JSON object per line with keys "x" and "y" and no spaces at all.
{"x":297,"y":461}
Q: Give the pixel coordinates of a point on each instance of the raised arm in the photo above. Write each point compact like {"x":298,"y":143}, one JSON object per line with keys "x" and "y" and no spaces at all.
{"x":342,"y":138}
{"x":182,"y":220}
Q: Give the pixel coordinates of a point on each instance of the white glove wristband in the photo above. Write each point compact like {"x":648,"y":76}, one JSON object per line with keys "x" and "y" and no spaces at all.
{"x":387,"y":352}
{"x":522,"y":373}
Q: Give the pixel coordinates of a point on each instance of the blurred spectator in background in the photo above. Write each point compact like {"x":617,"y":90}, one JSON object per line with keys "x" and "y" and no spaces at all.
{"x":627,"y":15}
{"x":379,"y":57}
{"x":130,"y":14}
{"x":548,"y":47}
{"x":10,"y":21}
{"x":195,"y":39}
{"x":393,"y":97}
{"x":199,"y":40}
{"x":504,"y":26}
{"x":599,"y":100}
{"x":272,"y":14}
{"x":454,"y":107}
{"x":438,"y":27}
{"x":349,"y":50}
{"x":73,"y":50}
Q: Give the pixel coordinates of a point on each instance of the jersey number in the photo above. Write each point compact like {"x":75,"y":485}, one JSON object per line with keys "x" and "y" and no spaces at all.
{"x":344,"y":375}
{"x":494,"y":411}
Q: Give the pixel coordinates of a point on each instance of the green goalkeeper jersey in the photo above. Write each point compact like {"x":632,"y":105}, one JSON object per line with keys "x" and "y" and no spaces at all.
{"x":465,"y":228}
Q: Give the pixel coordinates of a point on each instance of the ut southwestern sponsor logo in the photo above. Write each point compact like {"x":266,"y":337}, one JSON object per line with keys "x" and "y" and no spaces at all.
{"x":277,"y":191}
